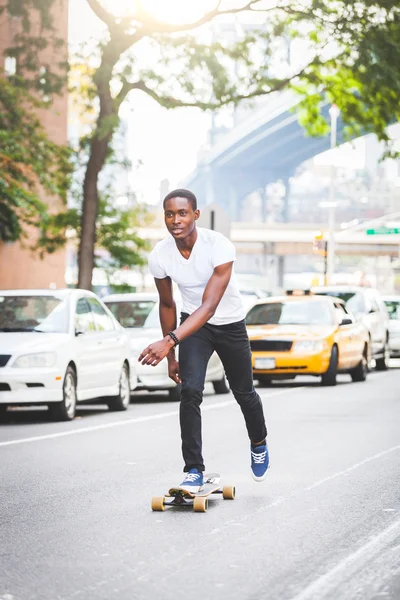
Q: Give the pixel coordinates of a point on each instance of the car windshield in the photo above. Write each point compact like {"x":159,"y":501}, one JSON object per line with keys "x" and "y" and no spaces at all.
{"x":290,"y":313}
{"x":393,"y":307}
{"x":131,"y":313}
{"x":46,"y":314}
{"x":153,"y":320}
{"x":354,"y":300}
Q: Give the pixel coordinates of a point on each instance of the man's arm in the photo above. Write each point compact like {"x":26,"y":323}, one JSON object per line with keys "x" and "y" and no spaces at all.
{"x":167,"y":312}
{"x":167,"y":305}
{"x":212,"y":296}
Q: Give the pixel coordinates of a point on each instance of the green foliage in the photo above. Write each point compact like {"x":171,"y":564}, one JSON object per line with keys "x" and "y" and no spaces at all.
{"x":118,"y":243}
{"x":117,"y":234}
{"x":36,"y":32}
{"x":30,"y":164}
{"x":361,"y":75}
{"x":32,"y":167}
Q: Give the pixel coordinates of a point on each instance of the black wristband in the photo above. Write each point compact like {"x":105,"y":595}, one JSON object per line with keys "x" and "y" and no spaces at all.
{"x":173,"y":337}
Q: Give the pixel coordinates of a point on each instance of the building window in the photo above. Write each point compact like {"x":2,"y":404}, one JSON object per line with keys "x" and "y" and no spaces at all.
{"x":10,"y":65}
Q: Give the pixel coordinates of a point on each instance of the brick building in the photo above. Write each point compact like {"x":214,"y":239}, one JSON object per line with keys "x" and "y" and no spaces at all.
{"x":20,"y":267}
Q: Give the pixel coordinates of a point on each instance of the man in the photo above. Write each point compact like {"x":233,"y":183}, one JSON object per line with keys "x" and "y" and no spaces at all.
{"x":200,"y":262}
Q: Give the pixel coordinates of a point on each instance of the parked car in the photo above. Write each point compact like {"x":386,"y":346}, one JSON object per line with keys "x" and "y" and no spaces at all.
{"x":306,"y":335}
{"x":156,"y":378}
{"x":62,"y":347}
{"x":251,"y":296}
{"x":131,"y":310}
{"x":393,"y":308}
{"x":368,"y":307}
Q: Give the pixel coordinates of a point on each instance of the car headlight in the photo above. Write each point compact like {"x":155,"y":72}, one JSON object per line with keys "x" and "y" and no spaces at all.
{"x":310,"y":346}
{"x":39,"y":359}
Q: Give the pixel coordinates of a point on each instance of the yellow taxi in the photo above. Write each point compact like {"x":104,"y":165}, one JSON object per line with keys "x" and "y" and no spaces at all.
{"x":303,"y":334}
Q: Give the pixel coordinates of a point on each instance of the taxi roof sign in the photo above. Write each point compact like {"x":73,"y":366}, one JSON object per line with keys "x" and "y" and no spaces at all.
{"x":298,"y":292}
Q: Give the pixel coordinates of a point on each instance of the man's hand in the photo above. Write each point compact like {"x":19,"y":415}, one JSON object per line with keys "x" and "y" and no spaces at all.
{"x":154,"y":353}
{"x":173,"y":369}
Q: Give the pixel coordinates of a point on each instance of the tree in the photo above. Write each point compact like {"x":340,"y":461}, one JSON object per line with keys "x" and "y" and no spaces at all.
{"x":30,"y":163}
{"x":118,"y":245}
{"x":352,"y":58}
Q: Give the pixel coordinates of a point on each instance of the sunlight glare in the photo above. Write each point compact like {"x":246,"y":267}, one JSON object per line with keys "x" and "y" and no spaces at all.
{"x":169,"y":11}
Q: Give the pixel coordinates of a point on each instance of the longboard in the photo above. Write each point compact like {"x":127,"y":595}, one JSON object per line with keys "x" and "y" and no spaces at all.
{"x":177,"y":496}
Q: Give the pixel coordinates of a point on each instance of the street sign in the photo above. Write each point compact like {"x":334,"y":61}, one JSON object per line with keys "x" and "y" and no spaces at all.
{"x":383,"y":230}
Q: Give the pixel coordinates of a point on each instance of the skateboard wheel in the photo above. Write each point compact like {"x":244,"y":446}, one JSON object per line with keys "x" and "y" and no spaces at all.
{"x":157,"y":503}
{"x":228,"y":492}
{"x":200,"y":504}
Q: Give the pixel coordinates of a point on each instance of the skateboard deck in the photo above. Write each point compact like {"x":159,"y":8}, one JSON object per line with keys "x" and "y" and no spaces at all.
{"x":177,"y":496}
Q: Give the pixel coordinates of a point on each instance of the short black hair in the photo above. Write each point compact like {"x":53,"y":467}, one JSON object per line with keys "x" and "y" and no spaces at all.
{"x":181,"y":193}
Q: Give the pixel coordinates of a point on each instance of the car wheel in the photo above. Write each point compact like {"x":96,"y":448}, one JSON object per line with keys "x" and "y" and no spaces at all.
{"x":382,"y":364}
{"x":121,"y":401}
{"x":329,"y":378}
{"x":174,"y":393}
{"x":221,"y":386}
{"x":359,"y":373}
{"x":66,"y":409}
{"x":264,"y":381}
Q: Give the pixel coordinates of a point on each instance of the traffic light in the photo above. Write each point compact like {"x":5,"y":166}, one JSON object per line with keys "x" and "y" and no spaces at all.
{"x":320,"y":246}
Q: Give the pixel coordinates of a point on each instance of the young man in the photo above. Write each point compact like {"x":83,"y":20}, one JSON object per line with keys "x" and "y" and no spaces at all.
{"x":200,"y":262}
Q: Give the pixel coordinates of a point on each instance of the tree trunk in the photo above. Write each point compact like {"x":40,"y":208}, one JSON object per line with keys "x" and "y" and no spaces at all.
{"x":98,"y":154}
{"x":90,"y":206}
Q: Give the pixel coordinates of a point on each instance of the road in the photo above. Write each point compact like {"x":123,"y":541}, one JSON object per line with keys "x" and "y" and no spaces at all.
{"x":75,"y":519}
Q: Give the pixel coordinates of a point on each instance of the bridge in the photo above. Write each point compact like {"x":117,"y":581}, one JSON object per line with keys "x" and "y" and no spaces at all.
{"x":265,"y":147}
{"x":284,"y":239}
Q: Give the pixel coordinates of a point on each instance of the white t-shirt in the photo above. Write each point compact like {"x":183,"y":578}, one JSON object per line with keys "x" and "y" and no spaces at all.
{"x":192,"y":275}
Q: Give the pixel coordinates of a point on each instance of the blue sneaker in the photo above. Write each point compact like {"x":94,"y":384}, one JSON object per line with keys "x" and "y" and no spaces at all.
{"x":193,"y":481}
{"x":259,"y":462}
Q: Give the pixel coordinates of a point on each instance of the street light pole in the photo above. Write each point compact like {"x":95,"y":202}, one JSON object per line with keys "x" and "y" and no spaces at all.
{"x":334,"y":114}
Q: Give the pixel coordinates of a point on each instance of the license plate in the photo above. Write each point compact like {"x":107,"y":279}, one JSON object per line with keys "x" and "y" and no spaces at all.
{"x":264,"y":363}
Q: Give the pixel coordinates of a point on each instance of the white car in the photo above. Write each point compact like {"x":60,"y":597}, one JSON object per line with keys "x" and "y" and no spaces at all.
{"x":60,"y":347}
{"x":368,"y":307}
{"x":130,"y":308}
{"x":393,"y":307}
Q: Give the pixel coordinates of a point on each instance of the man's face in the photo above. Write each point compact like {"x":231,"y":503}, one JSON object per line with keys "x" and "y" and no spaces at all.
{"x":179,"y":217}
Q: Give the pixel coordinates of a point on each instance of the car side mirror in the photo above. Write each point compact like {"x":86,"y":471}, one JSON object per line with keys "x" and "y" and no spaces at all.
{"x":346,"y":321}
{"x":79,"y":332}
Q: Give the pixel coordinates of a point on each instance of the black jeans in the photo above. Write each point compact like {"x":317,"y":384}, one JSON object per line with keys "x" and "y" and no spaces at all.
{"x":231,"y":343}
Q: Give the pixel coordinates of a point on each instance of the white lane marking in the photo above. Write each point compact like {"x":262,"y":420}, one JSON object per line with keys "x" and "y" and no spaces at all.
{"x":352,"y":468}
{"x":326,"y":583}
{"x":172,"y":413}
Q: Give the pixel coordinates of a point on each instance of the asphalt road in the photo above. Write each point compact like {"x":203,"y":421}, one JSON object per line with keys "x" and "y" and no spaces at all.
{"x":75,"y":518}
